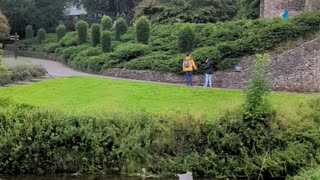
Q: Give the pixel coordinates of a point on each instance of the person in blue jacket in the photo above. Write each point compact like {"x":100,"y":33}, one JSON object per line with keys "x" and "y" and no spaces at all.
{"x":284,"y":15}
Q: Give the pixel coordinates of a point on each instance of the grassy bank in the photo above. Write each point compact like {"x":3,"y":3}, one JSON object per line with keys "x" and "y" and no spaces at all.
{"x":90,"y":95}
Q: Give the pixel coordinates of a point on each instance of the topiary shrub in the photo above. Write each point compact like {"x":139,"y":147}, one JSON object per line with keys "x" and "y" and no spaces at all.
{"x":121,"y":28}
{"x":186,"y":39}
{"x":61,"y":31}
{"x":106,"y":41}
{"x":95,"y":34}
{"x":82,"y":29}
{"x":41,"y":35}
{"x":106,"y":23}
{"x":143,"y":30}
{"x":29,"y":32}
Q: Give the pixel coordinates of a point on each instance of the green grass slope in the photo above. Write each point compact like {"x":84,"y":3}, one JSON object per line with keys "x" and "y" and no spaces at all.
{"x":92,"y":95}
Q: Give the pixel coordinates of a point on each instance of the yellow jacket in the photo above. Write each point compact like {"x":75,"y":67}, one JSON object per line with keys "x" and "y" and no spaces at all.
{"x":192,"y":65}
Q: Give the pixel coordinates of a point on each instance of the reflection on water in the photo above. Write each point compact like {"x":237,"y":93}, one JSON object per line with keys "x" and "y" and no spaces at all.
{"x":69,"y":177}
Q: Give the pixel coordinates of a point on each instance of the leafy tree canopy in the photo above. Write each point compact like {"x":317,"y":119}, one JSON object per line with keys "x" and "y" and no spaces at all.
{"x":197,"y":11}
{"x":4,"y":27}
{"x":39,"y":13}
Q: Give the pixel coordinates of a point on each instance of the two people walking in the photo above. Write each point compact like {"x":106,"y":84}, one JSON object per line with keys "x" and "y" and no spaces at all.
{"x":188,"y":66}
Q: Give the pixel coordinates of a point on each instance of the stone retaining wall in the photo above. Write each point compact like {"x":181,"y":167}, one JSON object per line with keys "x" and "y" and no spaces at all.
{"x":273,"y":8}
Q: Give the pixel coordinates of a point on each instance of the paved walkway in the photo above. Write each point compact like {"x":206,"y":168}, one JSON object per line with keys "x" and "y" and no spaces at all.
{"x":55,"y":69}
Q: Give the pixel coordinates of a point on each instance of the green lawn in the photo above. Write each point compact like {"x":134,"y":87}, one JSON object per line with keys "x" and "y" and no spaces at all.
{"x":91,"y":95}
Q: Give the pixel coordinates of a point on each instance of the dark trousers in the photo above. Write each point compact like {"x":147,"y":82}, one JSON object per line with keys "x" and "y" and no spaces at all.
{"x":189,"y":78}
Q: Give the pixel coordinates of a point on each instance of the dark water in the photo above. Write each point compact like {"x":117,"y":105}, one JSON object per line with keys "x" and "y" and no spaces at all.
{"x":69,"y":177}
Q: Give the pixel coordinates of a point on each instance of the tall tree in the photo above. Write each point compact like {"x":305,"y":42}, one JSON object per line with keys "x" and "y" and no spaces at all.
{"x":4,"y":27}
{"x":198,"y":11}
{"x":40,"y":13}
{"x":108,"y":7}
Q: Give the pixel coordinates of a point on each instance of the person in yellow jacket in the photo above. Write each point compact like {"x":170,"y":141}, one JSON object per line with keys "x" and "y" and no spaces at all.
{"x":188,"y":66}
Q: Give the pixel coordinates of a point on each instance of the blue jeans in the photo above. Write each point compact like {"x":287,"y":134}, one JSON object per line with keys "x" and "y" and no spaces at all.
{"x":208,"y":81}
{"x":189,"y":78}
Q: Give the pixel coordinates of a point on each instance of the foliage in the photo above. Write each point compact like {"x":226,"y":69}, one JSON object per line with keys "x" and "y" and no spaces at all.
{"x":249,"y":9}
{"x":51,"y":48}
{"x":41,"y":35}
{"x":186,"y":40}
{"x":40,"y":13}
{"x":70,"y":39}
{"x":81,"y":59}
{"x":61,"y":32}
{"x":106,"y":41}
{"x":259,"y":86}
{"x":166,"y":145}
{"x":111,"y":7}
{"x":4,"y":27}
{"x":29,"y":32}
{"x":67,"y":53}
{"x":128,"y":51}
{"x":82,"y":28}
{"x":3,"y":68}
{"x":96,"y":35}
{"x":23,"y":72}
{"x":194,"y":11}
{"x":153,"y":62}
{"x":106,"y":23}
{"x":143,"y":30}
{"x":120,"y":28}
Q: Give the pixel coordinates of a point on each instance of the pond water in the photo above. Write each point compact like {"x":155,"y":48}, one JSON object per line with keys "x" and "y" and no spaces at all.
{"x":69,"y":177}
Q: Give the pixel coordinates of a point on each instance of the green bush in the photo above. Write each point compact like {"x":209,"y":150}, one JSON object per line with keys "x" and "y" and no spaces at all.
{"x":23,"y":72}
{"x":81,"y":59}
{"x":73,"y":50}
{"x":82,"y":30}
{"x":96,"y":63}
{"x":128,"y":51}
{"x":164,"y":38}
{"x":70,"y":39}
{"x":29,"y":32}
{"x":96,"y":35}
{"x":143,"y":30}
{"x":61,"y":31}
{"x":106,"y":23}
{"x":120,"y":28}
{"x":149,"y":62}
{"x":41,"y":35}
{"x":259,"y":87}
{"x":51,"y":48}
{"x":106,"y":41}
{"x":129,"y":36}
{"x":5,"y":77}
{"x":186,"y":40}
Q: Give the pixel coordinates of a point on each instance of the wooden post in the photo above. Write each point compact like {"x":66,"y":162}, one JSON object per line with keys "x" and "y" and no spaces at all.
{"x":16,"y":45}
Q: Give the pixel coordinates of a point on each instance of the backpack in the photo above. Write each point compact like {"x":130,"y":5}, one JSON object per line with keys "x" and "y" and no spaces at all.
{"x":186,"y":63}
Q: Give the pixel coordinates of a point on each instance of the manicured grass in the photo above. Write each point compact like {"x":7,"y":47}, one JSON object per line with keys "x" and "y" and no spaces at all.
{"x":91,"y":95}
